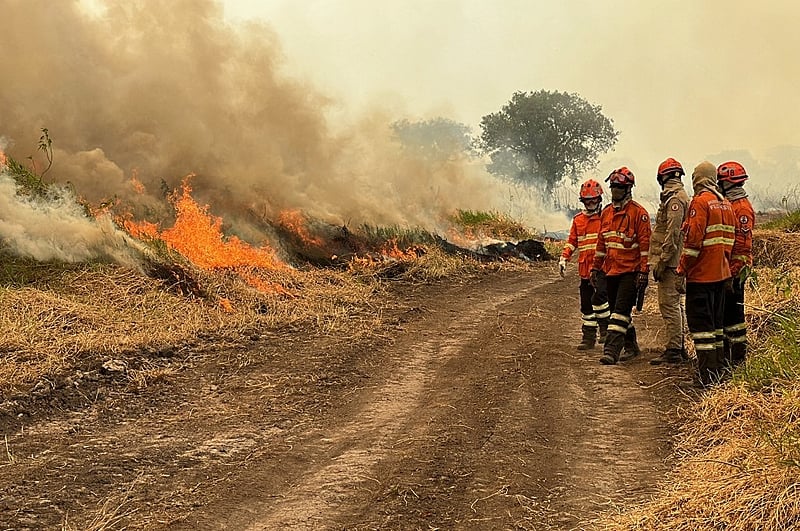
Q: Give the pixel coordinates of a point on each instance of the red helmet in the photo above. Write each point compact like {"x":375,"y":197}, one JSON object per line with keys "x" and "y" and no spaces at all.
{"x":622,"y":176}
{"x":591,"y":189}
{"x":670,"y":168}
{"x":731,"y":171}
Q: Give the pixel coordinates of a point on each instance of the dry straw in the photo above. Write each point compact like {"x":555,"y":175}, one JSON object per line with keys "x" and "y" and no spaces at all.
{"x":739,"y":448}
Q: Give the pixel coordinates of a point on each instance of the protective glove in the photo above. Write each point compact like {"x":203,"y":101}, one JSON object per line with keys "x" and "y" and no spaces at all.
{"x":641,"y":279}
{"x":680,"y":284}
{"x":562,"y":265}
{"x":658,"y":271}
{"x":594,"y":276}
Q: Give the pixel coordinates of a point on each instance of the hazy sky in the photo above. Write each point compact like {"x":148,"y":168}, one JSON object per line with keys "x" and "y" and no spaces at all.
{"x":682,"y":78}
{"x":286,"y":104}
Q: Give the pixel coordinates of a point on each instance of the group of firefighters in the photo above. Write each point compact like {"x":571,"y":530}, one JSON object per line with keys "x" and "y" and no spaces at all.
{"x":700,"y":249}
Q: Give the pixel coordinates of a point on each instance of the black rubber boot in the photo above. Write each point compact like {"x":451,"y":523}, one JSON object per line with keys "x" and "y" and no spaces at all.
{"x":612,"y":347}
{"x":631,"y":346}
{"x":738,"y":353}
{"x":589,"y":336}
{"x":670,"y":355}
{"x":602,"y":325}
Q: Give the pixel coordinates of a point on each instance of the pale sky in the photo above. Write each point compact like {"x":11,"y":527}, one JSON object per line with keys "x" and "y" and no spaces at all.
{"x":682,"y":78}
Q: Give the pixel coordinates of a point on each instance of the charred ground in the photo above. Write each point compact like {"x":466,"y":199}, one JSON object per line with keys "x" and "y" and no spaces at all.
{"x":467,"y":408}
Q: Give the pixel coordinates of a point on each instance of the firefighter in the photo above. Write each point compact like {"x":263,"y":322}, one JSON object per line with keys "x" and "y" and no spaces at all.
{"x":583,"y":237}
{"x":623,"y":244}
{"x":730,"y":179}
{"x":665,"y":251}
{"x":704,"y":268}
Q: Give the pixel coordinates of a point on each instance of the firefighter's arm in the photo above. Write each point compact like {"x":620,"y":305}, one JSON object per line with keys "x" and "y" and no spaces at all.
{"x":572,"y":242}
{"x":742,"y":252}
{"x":673,"y":235}
{"x":599,"y":250}
{"x":693,"y":233}
{"x":644,"y":230}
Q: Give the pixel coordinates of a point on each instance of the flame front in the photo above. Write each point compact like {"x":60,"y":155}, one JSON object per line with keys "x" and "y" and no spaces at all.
{"x":197,"y":235}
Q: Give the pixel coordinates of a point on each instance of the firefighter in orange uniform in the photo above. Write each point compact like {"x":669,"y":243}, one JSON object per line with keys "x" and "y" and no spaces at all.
{"x":704,"y":270}
{"x":623,"y":245}
{"x":730,"y":179}
{"x":583,"y":238}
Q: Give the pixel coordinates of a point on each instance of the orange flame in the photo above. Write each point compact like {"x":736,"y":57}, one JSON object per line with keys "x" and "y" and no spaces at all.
{"x":197,"y":235}
{"x":391,"y":250}
{"x":137,"y":184}
{"x":2,"y":158}
{"x":296,"y":222}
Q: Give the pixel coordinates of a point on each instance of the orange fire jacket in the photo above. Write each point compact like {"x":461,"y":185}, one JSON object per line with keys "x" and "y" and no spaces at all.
{"x":742,"y":252}
{"x":623,"y":242}
{"x":583,"y":237}
{"x":707,"y":239}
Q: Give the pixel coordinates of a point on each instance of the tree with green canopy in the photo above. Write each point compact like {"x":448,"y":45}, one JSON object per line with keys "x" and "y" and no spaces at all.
{"x":541,"y":138}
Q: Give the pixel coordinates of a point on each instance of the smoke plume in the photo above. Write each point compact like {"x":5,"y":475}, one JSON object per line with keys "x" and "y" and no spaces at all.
{"x":136,"y":94}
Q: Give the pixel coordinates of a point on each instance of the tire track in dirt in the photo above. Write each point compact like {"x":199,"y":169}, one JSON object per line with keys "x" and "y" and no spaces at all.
{"x":380,"y":425}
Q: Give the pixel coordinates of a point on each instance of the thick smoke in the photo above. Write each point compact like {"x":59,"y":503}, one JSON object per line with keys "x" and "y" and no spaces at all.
{"x":156,"y":90}
{"x":58,"y":229}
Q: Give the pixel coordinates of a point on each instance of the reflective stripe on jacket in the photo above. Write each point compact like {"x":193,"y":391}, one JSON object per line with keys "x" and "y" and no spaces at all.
{"x":742,"y":252}
{"x":707,"y":239}
{"x":623,"y":242}
{"x":583,"y":237}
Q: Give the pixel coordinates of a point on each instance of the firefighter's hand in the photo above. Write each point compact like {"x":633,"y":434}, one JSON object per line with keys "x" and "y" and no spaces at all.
{"x":729,"y":285}
{"x":658,"y":271}
{"x":594,"y":276}
{"x":680,"y":284}
{"x":641,"y":279}
{"x":562,"y":266}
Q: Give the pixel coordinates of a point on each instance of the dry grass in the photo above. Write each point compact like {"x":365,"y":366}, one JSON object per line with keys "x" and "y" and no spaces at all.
{"x":739,"y":467}
{"x":52,"y":325}
{"x":739,"y":449}
{"x":58,"y":319}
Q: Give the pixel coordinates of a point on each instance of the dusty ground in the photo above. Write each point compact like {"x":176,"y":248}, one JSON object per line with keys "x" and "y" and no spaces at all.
{"x":470,"y":410}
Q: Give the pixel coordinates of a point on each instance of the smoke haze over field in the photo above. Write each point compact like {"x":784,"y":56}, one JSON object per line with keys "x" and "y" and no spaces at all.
{"x":682,"y":78}
{"x":156,"y":90}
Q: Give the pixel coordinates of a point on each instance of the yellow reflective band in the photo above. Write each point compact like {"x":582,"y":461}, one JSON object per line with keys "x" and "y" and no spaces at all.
{"x":592,"y":236}
{"x":720,"y":227}
{"x":570,"y":247}
{"x":600,"y":254}
{"x":587,"y":247}
{"x":719,"y":240}
{"x":741,"y":258}
{"x":620,"y":317}
{"x":600,"y":308}
{"x":703,"y":335}
{"x":691,"y":252}
{"x":738,"y":339}
{"x":734,"y":328}
{"x":617,"y":328}
{"x":705,"y":346}
{"x":645,"y":253}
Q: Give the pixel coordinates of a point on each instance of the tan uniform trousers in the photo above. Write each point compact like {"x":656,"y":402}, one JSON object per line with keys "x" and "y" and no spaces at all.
{"x":671,"y":306}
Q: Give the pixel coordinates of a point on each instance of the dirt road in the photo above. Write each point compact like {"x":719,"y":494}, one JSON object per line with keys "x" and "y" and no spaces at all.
{"x":471,"y":410}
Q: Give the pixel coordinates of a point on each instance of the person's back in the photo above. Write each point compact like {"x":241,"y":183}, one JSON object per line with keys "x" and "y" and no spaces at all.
{"x":731,"y":177}
{"x":705,"y":263}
